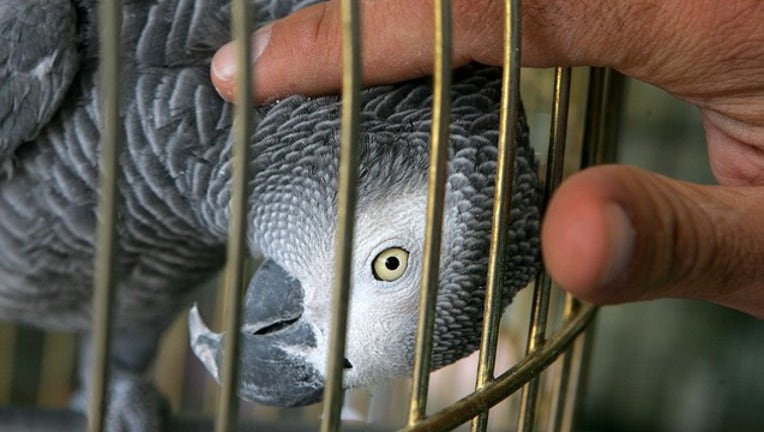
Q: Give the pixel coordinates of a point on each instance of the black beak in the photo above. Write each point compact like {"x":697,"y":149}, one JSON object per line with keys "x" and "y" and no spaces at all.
{"x":275,"y":340}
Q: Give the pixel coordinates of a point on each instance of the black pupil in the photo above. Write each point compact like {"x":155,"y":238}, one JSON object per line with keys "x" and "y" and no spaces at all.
{"x":392,"y":263}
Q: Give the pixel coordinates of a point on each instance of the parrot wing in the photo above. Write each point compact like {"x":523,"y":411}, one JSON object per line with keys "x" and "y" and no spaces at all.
{"x":39,"y":57}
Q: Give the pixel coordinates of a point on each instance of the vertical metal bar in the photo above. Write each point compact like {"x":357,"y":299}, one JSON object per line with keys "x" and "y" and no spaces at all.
{"x":346,"y":203}
{"x":579,"y":359}
{"x":558,"y":133}
{"x":104,"y":279}
{"x":441,"y":112}
{"x":613,"y":98}
{"x":563,"y":379}
{"x":228,"y":405}
{"x":211,"y":388}
{"x":592,"y":142}
{"x":593,"y":119}
{"x":536,"y":336}
{"x":540,"y":309}
{"x":603,"y":110}
{"x":504,"y":178}
{"x":561,"y":385}
{"x":603,"y":115}
{"x":572,"y":377}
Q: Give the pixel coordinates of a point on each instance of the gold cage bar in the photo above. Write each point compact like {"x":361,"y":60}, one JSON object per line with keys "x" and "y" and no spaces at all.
{"x":510,"y":381}
{"x":542,"y":291}
{"x":346,"y":201}
{"x":510,"y":103}
{"x":104,"y":278}
{"x":439,"y":138}
{"x":606,"y":91}
{"x":233,"y":274}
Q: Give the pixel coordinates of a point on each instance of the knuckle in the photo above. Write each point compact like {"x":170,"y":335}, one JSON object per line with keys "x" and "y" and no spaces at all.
{"x":478,"y":26}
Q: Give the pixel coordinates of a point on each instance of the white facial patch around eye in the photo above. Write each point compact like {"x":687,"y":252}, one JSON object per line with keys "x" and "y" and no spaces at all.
{"x":382,"y":309}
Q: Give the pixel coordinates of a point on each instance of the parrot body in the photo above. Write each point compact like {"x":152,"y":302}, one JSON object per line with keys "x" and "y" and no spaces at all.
{"x":39,"y":57}
{"x":173,"y":217}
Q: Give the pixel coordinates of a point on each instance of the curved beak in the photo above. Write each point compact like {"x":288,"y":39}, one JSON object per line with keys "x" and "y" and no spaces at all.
{"x":275,"y":342}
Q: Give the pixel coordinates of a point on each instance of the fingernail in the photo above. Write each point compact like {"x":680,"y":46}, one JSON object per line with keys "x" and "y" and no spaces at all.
{"x":260,"y":42}
{"x":621,"y":241}
{"x":224,"y":62}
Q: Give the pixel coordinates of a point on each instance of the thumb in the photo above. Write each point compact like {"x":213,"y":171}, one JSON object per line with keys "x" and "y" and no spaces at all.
{"x":614,"y":234}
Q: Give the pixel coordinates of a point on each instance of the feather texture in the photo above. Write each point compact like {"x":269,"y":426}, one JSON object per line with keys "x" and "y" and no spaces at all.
{"x":39,"y":57}
{"x":175,"y":173}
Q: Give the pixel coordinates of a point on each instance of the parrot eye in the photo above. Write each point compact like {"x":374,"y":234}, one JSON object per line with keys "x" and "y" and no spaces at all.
{"x":390,"y":264}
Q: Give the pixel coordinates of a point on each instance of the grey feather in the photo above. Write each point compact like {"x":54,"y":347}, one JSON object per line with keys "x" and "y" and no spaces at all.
{"x":39,"y":57}
{"x":174,"y":211}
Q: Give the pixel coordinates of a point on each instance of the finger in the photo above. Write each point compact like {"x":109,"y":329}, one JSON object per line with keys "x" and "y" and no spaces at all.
{"x":302,"y":52}
{"x":656,"y":42}
{"x":614,"y":234}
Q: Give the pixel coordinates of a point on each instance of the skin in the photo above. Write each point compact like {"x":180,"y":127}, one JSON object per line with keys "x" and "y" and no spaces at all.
{"x":611,"y":234}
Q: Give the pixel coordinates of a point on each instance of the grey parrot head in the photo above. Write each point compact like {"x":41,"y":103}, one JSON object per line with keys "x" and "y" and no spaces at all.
{"x":287,"y":308}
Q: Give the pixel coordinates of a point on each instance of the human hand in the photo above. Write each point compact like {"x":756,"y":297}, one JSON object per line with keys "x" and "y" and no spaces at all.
{"x":611,"y":234}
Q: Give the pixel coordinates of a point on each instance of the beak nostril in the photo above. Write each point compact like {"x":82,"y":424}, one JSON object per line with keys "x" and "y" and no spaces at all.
{"x":348,"y":365}
{"x":280,"y":325}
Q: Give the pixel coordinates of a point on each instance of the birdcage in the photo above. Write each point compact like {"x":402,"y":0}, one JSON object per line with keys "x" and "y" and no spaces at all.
{"x":545,"y":382}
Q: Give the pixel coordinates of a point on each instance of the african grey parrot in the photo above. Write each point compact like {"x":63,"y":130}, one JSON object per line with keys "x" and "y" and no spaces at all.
{"x":173,"y":219}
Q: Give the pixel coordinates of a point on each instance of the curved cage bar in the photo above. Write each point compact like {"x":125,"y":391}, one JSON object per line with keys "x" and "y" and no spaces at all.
{"x":510,"y":381}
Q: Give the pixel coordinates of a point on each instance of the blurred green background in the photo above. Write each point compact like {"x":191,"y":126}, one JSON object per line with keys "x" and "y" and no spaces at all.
{"x":672,"y":365}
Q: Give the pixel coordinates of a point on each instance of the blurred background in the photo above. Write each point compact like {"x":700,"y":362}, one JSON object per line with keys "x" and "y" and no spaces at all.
{"x":666,"y":365}
{"x":670,"y":365}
